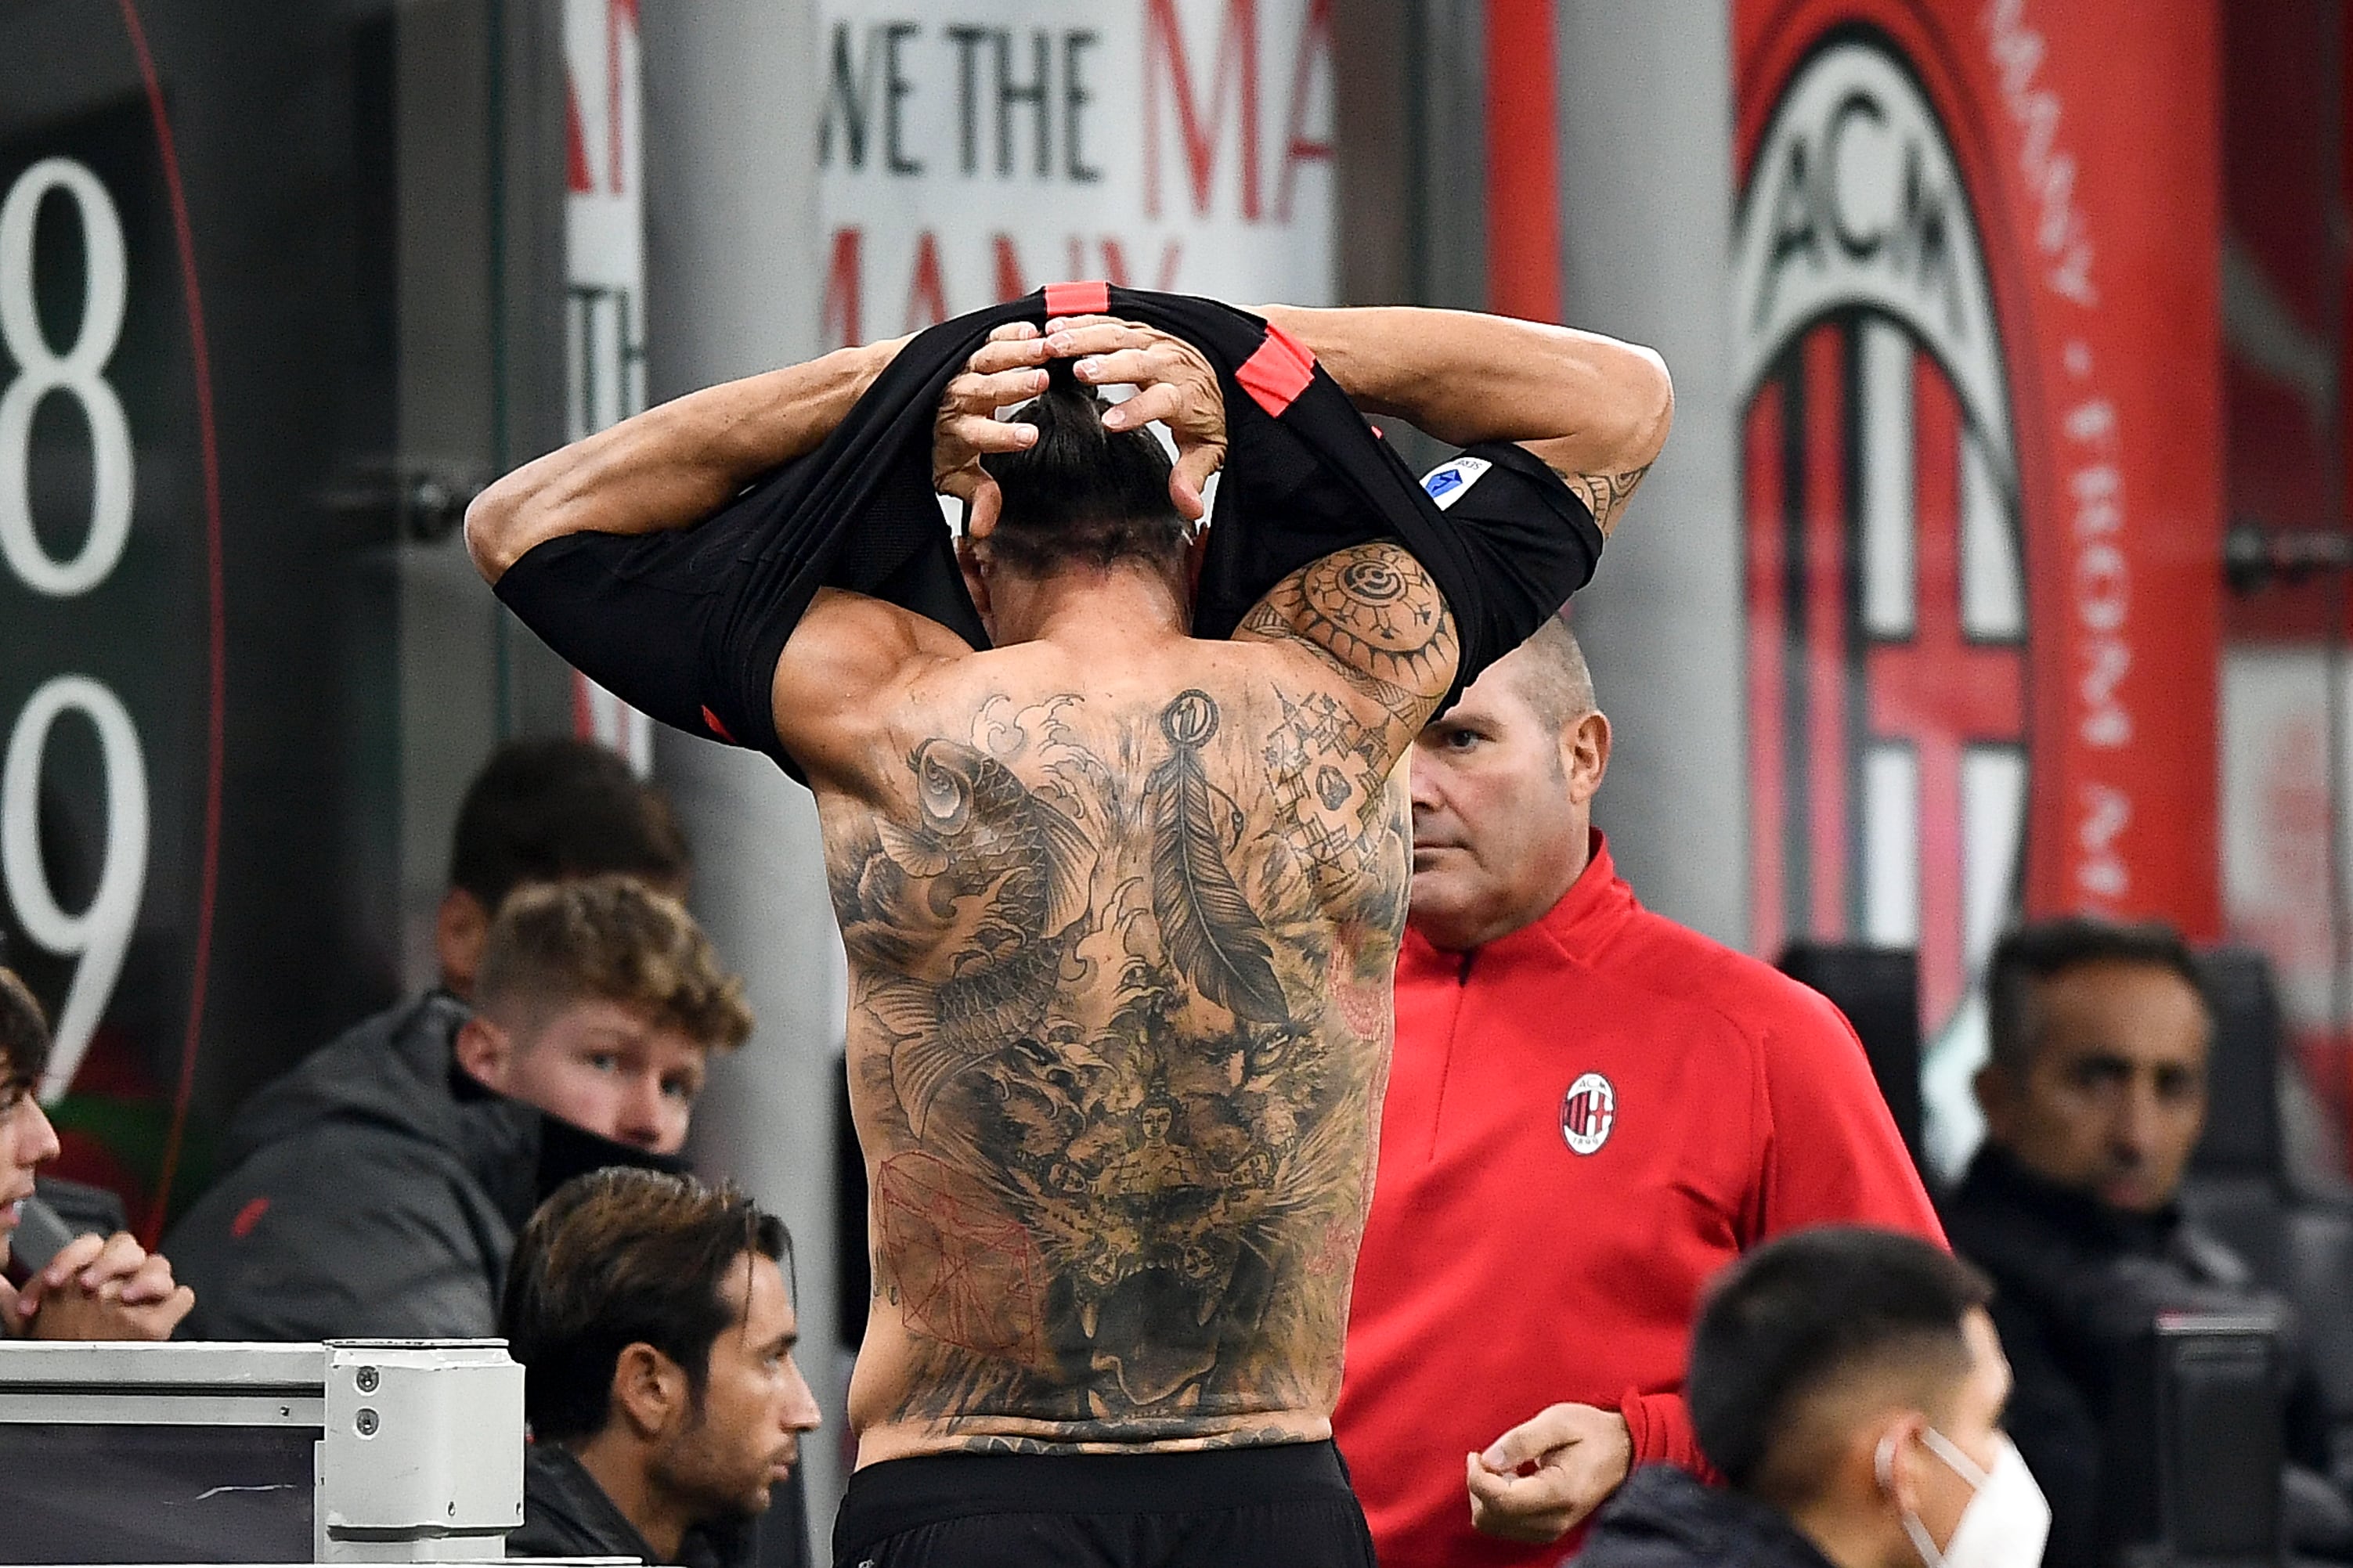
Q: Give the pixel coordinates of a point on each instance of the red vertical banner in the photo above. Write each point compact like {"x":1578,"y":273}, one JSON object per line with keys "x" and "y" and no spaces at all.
{"x":1768,"y":920}
{"x":1522,"y":162}
{"x":2126,"y":340}
{"x":1823,"y":585}
{"x":2005,"y":569}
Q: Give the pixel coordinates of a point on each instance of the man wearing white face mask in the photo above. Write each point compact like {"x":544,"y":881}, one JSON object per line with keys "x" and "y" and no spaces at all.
{"x":1848,"y":1385}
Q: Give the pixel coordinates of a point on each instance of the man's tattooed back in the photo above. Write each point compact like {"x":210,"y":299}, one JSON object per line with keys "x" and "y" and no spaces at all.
{"x":1120,"y":945}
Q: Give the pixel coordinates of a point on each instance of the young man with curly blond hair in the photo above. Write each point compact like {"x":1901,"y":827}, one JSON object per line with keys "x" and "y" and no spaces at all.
{"x":380,"y":1195}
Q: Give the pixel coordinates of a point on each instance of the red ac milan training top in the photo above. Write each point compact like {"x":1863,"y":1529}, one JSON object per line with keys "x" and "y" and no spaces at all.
{"x":1585,"y":1120}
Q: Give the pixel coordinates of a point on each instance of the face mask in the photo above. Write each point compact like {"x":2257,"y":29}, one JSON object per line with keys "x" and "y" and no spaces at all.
{"x":2006,"y":1521}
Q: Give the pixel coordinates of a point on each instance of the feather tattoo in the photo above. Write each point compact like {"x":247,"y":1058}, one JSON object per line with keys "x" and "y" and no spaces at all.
{"x":1212,"y":935}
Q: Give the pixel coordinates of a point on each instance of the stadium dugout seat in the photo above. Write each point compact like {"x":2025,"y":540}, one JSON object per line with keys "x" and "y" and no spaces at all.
{"x":2237,"y":1185}
{"x":2320,"y":1283}
{"x":1878,"y":989}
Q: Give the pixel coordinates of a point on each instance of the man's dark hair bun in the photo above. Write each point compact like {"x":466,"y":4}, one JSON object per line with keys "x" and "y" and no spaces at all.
{"x":1081,"y":495}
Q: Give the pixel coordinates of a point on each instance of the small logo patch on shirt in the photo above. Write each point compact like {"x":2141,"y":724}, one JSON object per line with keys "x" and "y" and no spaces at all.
{"x":1447,"y":482}
{"x":1587,"y":1112}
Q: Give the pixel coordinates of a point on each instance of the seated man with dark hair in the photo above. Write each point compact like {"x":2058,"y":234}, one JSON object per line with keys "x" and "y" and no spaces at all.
{"x":382,"y":1182}
{"x":656,"y":1335}
{"x":1848,"y":1385}
{"x":95,"y":1288}
{"x":2093,"y":1099}
{"x":548,"y":809}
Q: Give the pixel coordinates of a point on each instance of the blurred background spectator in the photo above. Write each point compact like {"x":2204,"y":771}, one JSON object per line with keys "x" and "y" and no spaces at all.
{"x":2094,"y":1099}
{"x":657,"y":1333}
{"x":378,"y":1188}
{"x":546,"y":810}
{"x":93,"y":1287}
{"x":540,"y":810}
{"x":601,"y":1003}
{"x":1848,"y":1385}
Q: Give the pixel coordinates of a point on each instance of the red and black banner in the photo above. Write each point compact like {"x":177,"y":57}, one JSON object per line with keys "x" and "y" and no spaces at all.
{"x":1977,"y":333}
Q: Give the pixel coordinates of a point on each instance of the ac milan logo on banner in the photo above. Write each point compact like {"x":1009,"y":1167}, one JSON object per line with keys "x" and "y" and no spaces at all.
{"x":1887,"y":685}
{"x":1587,"y":1112}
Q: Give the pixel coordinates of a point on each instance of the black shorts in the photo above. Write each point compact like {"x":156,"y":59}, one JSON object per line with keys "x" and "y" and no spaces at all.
{"x":1236,"y":1508}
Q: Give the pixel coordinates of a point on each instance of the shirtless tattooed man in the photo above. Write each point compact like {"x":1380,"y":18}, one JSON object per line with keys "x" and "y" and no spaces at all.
{"x":1122,"y":906}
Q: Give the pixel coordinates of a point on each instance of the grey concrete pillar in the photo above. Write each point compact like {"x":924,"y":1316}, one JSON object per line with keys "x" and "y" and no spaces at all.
{"x":731,"y":265}
{"x":1645,"y":95}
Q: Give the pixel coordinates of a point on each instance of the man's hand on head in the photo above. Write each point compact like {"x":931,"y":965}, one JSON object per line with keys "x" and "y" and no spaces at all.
{"x":1175,"y":384}
{"x":1543,"y":1478}
{"x":98,"y":1289}
{"x":1005,"y":371}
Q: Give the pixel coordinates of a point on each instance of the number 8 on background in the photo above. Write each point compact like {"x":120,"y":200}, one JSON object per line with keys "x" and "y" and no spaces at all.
{"x":77,"y":373}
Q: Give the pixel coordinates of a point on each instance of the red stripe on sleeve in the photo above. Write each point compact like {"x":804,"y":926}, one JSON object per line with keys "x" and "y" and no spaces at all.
{"x":1092,"y":298}
{"x":1660,"y":1427}
{"x":1278,"y":373}
{"x":716,"y":727}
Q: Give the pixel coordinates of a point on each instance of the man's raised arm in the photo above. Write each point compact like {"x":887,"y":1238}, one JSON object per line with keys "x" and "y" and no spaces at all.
{"x":671,"y":558}
{"x":671,"y":466}
{"x":1595,"y":410}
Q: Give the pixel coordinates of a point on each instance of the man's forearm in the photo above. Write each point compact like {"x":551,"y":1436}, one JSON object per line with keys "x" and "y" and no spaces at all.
{"x":673,"y":465}
{"x":1596,"y":410}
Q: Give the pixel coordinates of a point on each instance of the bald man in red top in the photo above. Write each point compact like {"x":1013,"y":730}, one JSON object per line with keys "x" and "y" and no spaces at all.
{"x":1590,"y":1111}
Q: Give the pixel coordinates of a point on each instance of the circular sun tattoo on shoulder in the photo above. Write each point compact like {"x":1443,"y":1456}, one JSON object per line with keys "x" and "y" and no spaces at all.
{"x":1382,"y":602}
{"x":1376,"y":582}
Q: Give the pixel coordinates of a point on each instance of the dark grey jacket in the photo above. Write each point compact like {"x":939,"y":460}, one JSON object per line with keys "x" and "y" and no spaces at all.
{"x":374,"y":1192}
{"x":2074,"y":1280}
{"x":1667,"y":1518}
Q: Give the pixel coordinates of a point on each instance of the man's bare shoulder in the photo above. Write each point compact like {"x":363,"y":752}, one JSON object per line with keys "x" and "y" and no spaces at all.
{"x":847,"y":667}
{"x":1249,"y":678}
{"x":862,"y":682}
{"x":1373,"y":617}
